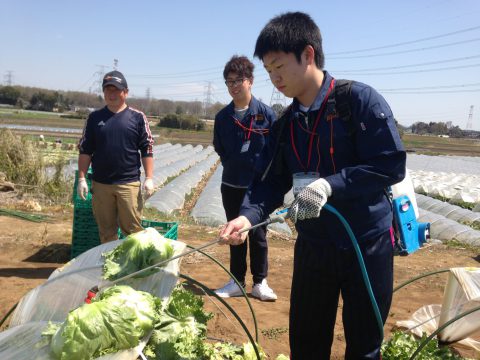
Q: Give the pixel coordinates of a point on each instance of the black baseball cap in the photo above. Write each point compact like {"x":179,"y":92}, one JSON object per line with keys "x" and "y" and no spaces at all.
{"x":116,"y":79}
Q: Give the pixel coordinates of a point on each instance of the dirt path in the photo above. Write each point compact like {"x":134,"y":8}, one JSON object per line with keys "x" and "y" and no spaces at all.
{"x":29,"y":252}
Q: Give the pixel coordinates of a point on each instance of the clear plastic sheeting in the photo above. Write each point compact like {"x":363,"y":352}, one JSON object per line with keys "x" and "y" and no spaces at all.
{"x":448,"y":210}
{"x":26,"y":342}
{"x":462,"y":293}
{"x":456,"y":187}
{"x":67,"y":287}
{"x":425,"y":321}
{"x":172,"y":196}
{"x":176,"y":153}
{"x":159,"y":148}
{"x":209,"y":207}
{"x":445,"y":229}
{"x":181,"y":162}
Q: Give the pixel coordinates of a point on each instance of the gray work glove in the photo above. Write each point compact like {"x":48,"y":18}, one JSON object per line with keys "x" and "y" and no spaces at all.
{"x":310,"y":201}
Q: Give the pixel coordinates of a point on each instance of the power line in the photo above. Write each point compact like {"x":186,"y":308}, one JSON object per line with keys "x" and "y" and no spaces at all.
{"x":431,"y":87}
{"x":409,"y":72}
{"x":405,"y":51}
{"x":406,"y":42}
{"x":414,"y":65}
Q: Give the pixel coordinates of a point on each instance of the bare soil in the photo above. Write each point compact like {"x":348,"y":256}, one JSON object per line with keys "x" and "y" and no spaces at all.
{"x":29,"y":252}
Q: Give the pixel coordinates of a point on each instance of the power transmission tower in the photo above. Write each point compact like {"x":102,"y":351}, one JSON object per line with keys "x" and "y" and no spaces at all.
{"x":8,"y":78}
{"x":115,"y":64}
{"x":208,"y":97}
{"x":470,"y":119}
{"x":97,"y":83}
{"x":278,"y":98}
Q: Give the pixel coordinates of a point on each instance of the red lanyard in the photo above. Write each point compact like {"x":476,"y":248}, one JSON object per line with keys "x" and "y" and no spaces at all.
{"x":248,"y":131}
{"x":312,"y":134}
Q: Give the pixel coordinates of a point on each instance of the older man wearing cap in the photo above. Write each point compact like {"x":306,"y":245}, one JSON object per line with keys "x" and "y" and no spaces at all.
{"x":116,"y":140}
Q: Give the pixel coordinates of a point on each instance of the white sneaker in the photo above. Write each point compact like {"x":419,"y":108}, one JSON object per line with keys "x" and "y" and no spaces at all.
{"x":263,"y":292}
{"x":231,"y":289}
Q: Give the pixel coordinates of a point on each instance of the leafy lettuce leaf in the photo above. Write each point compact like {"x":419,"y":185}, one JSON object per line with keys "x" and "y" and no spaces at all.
{"x":138,"y":251}
{"x":114,"y":321}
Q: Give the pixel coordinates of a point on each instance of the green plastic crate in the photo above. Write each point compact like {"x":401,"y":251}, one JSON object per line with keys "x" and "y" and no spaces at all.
{"x":84,"y":230}
{"x":167,"y":229}
{"x":78,"y":202}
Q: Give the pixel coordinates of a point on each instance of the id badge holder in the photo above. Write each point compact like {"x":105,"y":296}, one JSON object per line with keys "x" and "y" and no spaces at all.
{"x":245,"y":146}
{"x":301,"y":180}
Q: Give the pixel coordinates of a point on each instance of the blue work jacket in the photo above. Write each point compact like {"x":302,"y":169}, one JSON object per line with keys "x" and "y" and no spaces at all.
{"x":359,"y":159}
{"x":230,"y":135}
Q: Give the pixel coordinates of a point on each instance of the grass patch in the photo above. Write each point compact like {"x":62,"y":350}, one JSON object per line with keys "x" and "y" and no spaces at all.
{"x":455,"y":244}
{"x":24,"y":165}
{"x":274,"y":333}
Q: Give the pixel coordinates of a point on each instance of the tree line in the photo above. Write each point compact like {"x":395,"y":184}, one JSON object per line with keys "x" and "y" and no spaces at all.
{"x":33,"y":98}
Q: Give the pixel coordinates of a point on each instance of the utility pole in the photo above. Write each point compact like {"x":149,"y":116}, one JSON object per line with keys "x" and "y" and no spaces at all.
{"x":470,"y":119}
{"x":208,"y":98}
{"x":8,"y":78}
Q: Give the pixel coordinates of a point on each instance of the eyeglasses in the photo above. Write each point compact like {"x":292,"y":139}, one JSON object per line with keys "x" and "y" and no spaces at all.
{"x":236,"y":82}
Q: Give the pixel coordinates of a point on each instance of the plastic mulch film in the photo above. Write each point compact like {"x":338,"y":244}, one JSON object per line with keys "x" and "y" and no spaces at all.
{"x":26,"y":342}
{"x":462,"y":293}
{"x":450,"y":211}
{"x":444,"y":164}
{"x":425,"y":320}
{"x":208,"y":209}
{"x":172,"y":196}
{"x":181,"y":162}
{"x":67,"y":287}
{"x":455,"y":186}
{"x":445,"y":229}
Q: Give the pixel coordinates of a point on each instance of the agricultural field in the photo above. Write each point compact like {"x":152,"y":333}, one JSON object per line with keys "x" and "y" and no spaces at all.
{"x":32,"y":251}
{"x":433,"y":145}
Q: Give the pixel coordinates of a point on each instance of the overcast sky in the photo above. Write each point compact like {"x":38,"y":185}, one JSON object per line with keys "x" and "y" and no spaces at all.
{"x":422,"y":55}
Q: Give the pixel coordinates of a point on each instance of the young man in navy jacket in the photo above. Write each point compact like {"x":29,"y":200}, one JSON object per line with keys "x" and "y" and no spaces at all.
{"x":240,"y":133}
{"x":324,"y":157}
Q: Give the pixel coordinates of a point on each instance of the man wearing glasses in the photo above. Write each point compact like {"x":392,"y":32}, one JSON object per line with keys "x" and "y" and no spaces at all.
{"x":240,"y":132}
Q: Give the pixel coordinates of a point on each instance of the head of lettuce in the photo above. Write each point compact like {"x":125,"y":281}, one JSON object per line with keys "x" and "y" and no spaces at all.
{"x":138,"y":251}
{"x":116,"y":320}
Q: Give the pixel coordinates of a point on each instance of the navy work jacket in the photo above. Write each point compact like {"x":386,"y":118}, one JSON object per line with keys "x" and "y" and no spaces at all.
{"x":359,"y":158}
{"x":230,"y":134}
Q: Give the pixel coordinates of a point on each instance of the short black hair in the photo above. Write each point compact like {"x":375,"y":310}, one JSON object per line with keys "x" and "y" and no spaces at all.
{"x":291,"y":32}
{"x":239,"y":65}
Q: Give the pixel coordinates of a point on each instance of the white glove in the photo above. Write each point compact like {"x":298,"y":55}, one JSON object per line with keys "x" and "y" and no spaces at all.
{"x":82,"y":188}
{"x":310,"y":201}
{"x":148,"y":188}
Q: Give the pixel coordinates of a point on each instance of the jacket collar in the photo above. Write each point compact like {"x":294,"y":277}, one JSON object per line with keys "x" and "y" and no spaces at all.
{"x":322,"y":92}
{"x":253,"y":107}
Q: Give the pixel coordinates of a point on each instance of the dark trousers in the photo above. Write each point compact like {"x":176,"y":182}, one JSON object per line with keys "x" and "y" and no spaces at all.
{"x":320,"y":275}
{"x":232,"y":200}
